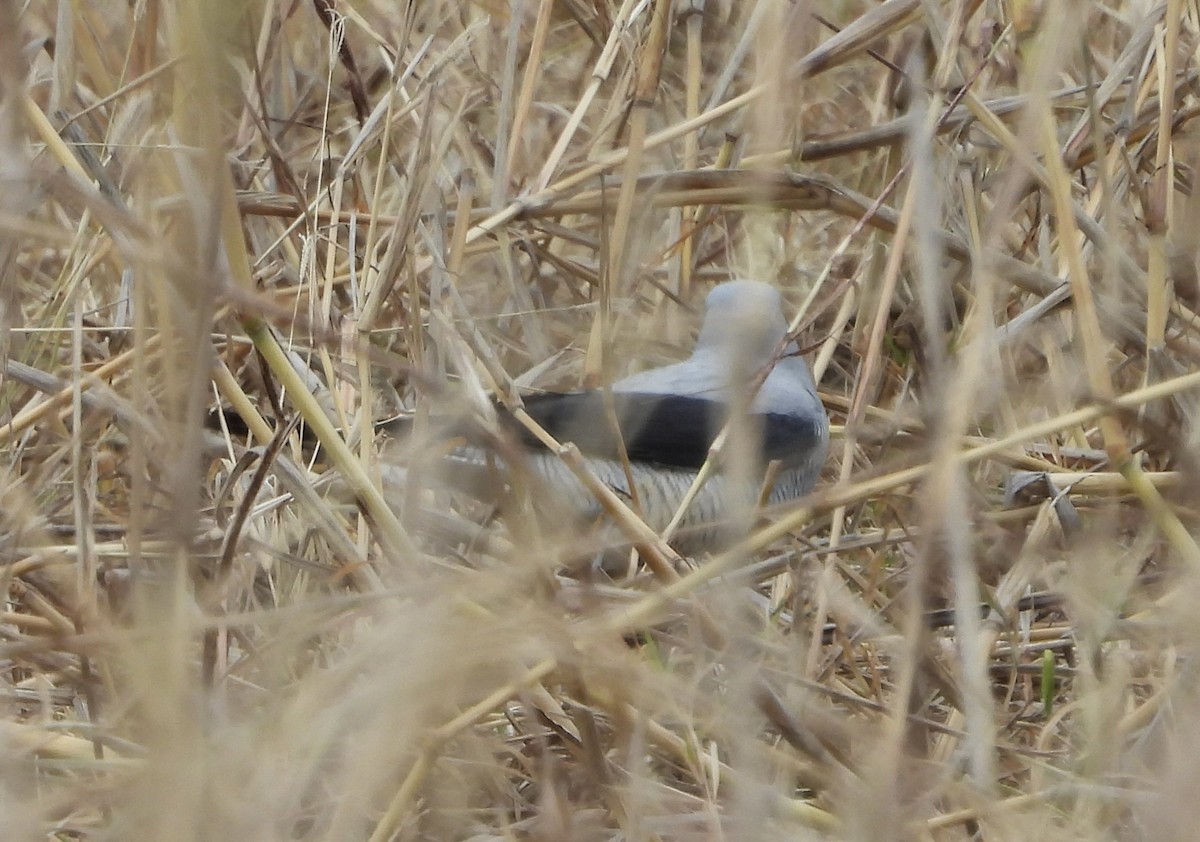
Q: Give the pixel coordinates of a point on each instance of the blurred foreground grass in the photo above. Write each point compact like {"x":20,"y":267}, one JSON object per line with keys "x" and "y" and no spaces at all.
{"x":981,"y":214}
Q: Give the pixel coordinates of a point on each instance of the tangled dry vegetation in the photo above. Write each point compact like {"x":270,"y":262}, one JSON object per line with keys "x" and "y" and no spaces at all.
{"x":316,"y":215}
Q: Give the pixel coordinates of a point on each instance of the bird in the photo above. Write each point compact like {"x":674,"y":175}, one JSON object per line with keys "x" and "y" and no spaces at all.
{"x":667,"y":420}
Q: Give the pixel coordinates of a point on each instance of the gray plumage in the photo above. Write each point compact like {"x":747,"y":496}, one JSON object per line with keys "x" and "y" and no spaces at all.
{"x":743,"y":328}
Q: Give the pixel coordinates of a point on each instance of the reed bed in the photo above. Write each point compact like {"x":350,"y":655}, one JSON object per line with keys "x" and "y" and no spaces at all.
{"x":234,"y":237}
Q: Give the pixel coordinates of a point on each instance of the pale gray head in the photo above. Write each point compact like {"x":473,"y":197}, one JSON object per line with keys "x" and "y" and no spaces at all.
{"x":743,"y":317}
{"x":743,"y":326}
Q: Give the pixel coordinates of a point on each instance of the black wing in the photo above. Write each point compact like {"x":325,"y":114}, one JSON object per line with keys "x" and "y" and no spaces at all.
{"x":673,"y":431}
{"x":662,"y":429}
{"x":669,"y":430}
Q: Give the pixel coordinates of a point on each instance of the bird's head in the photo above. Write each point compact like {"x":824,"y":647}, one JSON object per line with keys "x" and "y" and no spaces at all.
{"x":743,"y":321}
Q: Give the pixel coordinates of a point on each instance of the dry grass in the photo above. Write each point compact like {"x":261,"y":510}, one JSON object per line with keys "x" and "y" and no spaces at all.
{"x":993,"y":263}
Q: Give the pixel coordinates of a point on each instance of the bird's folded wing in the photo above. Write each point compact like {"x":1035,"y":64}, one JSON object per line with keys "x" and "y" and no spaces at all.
{"x":673,"y":431}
